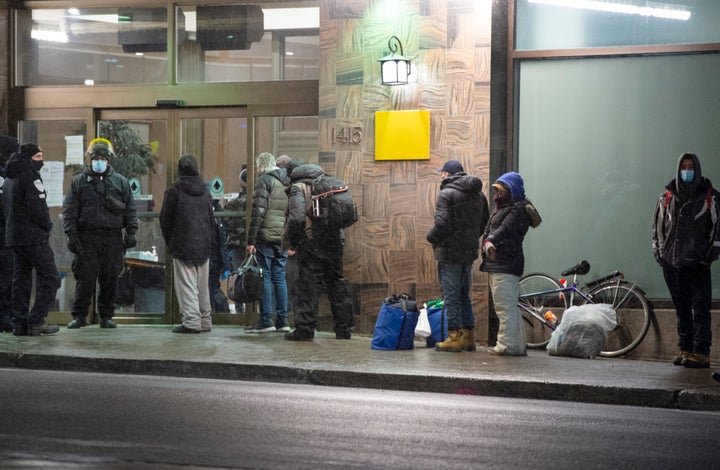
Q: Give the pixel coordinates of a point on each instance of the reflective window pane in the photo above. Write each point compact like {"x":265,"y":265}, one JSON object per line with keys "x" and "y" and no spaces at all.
{"x":569,"y":24}
{"x":242,"y":43}
{"x":91,"y":46}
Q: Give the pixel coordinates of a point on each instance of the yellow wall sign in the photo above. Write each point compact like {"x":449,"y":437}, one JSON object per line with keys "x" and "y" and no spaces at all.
{"x":402,"y":135}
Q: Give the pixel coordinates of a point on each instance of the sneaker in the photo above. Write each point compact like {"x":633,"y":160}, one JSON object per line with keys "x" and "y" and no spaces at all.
{"x":682,"y":355}
{"x":42,"y":329}
{"x":184,"y":329}
{"x":299,"y":336}
{"x":282,"y":327}
{"x":259,"y":328}
{"x":696,"y":361}
{"x":107,"y":323}
{"x":77,"y":322}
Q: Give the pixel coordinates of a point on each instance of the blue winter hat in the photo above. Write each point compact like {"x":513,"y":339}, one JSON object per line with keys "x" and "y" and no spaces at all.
{"x":513,"y":182}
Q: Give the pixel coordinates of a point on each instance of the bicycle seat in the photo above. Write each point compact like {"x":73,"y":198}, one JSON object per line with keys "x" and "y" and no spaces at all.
{"x":583,"y":267}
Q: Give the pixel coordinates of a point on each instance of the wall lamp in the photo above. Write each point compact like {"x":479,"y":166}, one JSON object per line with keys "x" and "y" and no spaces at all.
{"x":394,"y":68}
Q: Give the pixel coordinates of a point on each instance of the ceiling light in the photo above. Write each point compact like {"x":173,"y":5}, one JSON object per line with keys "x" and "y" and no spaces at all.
{"x":657,"y":10}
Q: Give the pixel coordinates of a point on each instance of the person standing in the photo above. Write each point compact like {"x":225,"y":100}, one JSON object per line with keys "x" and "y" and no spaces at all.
{"x":461,"y":213}
{"x":319,"y":254}
{"x":504,"y":261}
{"x":8,"y":146}
{"x":685,"y":242}
{"x":27,"y":233}
{"x":236,"y":231}
{"x":186,"y":221}
{"x":265,"y":241}
{"x":96,"y":210}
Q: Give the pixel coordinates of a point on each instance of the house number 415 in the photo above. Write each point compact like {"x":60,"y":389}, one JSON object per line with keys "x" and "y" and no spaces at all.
{"x":347,"y":135}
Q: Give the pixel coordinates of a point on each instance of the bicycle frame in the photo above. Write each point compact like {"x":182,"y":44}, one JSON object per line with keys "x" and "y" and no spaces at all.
{"x":572,"y":288}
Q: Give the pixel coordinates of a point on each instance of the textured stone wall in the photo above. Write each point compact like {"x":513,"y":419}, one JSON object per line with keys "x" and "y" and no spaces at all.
{"x":448,"y":42}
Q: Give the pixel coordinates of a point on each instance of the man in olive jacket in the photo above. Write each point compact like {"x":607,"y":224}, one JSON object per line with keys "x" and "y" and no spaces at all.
{"x":267,"y":225}
{"x":186,"y":221}
{"x":461,"y":212}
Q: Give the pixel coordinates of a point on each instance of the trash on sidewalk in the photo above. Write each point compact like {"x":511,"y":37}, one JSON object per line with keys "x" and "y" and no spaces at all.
{"x":582,"y":331}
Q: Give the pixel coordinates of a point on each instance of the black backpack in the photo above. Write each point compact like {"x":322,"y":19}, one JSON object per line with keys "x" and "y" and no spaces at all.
{"x":333,"y":207}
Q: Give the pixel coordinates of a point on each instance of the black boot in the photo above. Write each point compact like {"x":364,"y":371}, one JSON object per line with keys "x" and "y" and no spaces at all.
{"x":42,"y":329}
{"x":77,"y":322}
{"x":107,"y":323}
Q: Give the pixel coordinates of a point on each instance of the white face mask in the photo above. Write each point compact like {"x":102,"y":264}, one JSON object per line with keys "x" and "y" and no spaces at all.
{"x":99,"y":166}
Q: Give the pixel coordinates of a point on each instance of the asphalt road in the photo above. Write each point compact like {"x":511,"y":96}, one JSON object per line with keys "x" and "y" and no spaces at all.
{"x":83,"y":420}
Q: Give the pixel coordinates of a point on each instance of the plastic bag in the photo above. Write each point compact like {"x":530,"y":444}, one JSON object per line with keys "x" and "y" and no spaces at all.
{"x":422,"y":329}
{"x":583,"y":331}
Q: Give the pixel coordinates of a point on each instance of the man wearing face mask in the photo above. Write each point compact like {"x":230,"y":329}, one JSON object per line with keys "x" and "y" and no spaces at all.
{"x":96,"y":211}
{"x":504,"y":261}
{"x":27,"y":233}
{"x":686,"y":241}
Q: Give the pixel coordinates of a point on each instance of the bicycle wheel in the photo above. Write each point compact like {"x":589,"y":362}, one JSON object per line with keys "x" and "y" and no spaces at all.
{"x":536,"y":300}
{"x":633,"y":316}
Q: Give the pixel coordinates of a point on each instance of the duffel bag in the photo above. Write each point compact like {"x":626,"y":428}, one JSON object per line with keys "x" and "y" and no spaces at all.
{"x":245,"y":284}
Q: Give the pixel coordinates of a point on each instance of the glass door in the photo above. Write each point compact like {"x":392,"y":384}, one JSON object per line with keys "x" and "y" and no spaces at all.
{"x":148,"y":144}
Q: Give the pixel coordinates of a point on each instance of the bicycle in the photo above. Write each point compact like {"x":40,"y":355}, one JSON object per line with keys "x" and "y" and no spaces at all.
{"x":540,"y":294}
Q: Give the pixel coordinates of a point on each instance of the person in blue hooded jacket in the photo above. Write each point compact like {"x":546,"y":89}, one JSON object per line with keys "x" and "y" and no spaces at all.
{"x":504,"y":261}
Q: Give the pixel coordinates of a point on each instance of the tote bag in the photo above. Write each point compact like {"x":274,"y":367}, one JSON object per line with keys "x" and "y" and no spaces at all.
{"x":438,"y":324}
{"x":395,"y":325}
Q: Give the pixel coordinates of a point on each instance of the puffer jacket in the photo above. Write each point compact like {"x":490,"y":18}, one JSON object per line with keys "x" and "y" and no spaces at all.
{"x":186,"y":220}
{"x":686,"y":222}
{"x":27,"y":219}
{"x":299,"y":225}
{"x":268,"y":208}
{"x":461,"y":213}
{"x":506,"y":230}
{"x":83,"y":208}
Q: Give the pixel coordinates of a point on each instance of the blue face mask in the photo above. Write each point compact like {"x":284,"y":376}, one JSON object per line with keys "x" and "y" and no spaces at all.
{"x":99,"y":166}
{"x":687,"y":175}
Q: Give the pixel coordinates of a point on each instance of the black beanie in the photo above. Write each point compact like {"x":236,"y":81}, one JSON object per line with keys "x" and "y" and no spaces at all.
{"x":8,"y":146}
{"x":29,"y":150}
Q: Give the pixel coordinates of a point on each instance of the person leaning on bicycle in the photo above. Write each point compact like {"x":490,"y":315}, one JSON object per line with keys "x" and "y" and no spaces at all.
{"x":686,"y":240}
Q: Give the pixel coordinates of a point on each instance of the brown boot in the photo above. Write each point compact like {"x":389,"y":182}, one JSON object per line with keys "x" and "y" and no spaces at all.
{"x":452,"y":343}
{"x":467,"y":341}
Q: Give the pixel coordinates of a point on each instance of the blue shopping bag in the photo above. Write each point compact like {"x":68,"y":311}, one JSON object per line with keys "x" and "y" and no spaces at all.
{"x":438,"y":326}
{"x":395,"y":325}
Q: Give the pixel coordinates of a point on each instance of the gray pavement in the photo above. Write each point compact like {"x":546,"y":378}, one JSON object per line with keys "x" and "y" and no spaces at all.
{"x":228,"y":353}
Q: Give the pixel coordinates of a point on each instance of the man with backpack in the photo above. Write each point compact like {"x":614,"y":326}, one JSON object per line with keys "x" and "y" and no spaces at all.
{"x":317,"y":238}
{"x":686,"y":241}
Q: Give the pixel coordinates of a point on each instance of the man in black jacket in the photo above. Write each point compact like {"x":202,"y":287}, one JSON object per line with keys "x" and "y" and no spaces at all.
{"x":186,"y":221}
{"x":319,"y":255}
{"x":96,"y":210}
{"x":8,"y":145}
{"x":27,"y":233}
{"x":686,"y":241}
{"x":461,"y":212}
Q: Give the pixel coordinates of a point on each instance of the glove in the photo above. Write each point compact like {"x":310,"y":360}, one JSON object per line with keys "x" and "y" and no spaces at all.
{"x":129,"y":241}
{"x":74,"y":244}
{"x":225,"y":275}
{"x":489,"y":250}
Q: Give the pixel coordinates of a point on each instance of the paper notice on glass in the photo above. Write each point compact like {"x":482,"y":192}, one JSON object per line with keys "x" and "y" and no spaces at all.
{"x":74,"y":150}
{"x":52,"y":174}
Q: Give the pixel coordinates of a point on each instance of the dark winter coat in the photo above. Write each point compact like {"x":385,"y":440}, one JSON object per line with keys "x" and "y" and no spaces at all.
{"x":461,"y":213}
{"x":268,"y":208}
{"x":686,"y":222}
{"x":236,"y":233}
{"x":8,"y":146}
{"x":85,"y":207}
{"x":27,"y":218}
{"x":506,"y":230}
{"x":186,"y":220}
{"x":300,"y":226}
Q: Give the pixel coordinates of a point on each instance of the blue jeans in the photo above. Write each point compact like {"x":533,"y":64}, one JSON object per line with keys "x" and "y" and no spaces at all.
{"x":272,"y":259}
{"x":455,"y":281}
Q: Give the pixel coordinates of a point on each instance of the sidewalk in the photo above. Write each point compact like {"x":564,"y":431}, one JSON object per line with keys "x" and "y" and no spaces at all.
{"x":230,"y":354}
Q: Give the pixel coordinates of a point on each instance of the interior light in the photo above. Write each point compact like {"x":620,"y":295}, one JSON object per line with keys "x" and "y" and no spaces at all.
{"x":657,"y":10}
{"x":52,"y":36}
{"x":273,"y":19}
{"x":73,"y":11}
{"x":139,"y":53}
{"x":89,"y":82}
